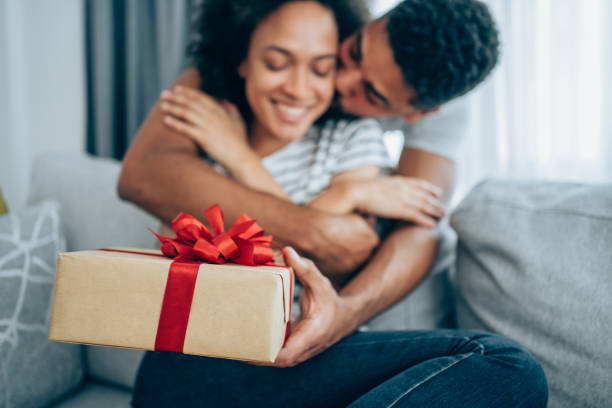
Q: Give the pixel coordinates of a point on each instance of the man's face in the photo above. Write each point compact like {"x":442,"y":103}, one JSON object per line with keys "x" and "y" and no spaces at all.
{"x":369,"y":81}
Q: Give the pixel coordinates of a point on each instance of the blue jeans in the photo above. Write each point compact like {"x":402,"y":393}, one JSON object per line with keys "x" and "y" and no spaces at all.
{"x":442,"y":368}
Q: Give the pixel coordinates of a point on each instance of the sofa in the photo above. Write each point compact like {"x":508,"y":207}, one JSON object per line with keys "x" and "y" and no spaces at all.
{"x":532,"y":261}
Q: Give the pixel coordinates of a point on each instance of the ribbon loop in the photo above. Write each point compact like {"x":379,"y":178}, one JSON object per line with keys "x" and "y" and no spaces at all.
{"x":244,"y":242}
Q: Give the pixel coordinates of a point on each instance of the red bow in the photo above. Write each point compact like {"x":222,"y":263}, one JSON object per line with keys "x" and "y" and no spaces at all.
{"x":244,"y":243}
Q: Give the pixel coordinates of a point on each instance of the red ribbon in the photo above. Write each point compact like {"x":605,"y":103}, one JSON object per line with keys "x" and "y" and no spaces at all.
{"x":244,"y":243}
{"x":176,"y":306}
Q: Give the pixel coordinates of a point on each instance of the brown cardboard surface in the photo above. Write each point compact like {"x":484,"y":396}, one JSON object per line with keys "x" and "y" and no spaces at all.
{"x":115,"y":299}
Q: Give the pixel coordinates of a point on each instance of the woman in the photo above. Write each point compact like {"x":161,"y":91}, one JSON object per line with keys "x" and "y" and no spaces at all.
{"x":450,"y":368}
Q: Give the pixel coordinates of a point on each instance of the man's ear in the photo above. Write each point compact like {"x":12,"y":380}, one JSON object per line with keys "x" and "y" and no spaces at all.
{"x":418,"y":114}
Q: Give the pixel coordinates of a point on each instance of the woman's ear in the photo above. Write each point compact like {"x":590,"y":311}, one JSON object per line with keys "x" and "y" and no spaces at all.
{"x":242,"y":69}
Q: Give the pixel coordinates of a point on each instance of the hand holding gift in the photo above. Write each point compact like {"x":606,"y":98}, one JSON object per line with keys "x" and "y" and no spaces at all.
{"x":323,"y":318}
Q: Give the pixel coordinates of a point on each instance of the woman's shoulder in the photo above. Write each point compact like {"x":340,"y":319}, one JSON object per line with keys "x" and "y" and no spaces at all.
{"x":344,"y":129}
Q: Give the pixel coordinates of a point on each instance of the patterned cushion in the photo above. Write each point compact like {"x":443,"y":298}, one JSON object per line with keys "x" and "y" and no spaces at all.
{"x":33,"y":369}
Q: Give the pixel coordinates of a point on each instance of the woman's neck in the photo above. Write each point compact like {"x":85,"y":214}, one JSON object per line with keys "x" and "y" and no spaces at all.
{"x":262,"y":142}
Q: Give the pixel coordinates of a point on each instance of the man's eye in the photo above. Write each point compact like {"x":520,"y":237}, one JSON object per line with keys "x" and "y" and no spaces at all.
{"x":354,"y":53}
{"x":371,"y":99}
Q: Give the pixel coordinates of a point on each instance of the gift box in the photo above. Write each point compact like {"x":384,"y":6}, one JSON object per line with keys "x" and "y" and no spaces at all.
{"x":143,"y":299}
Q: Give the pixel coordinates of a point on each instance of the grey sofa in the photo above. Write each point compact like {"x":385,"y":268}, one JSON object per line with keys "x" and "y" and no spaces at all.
{"x":533,"y":262}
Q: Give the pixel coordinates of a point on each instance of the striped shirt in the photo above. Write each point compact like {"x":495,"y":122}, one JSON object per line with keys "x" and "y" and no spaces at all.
{"x":305,"y":167}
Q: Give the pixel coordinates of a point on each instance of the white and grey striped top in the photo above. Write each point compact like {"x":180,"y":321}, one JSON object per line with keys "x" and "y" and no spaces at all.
{"x":305,"y":167}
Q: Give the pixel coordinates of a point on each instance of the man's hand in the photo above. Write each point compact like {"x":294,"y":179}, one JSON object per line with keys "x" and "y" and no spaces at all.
{"x":324,"y":319}
{"x":344,"y":242}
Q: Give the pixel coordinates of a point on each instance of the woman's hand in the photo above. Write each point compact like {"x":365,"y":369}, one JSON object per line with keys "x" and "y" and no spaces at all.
{"x":399,"y":197}
{"x":216,"y":127}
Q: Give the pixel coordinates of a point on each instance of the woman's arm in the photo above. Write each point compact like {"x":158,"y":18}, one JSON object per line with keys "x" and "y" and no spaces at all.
{"x":340,"y":196}
{"x":218,"y":129}
{"x":396,"y":197}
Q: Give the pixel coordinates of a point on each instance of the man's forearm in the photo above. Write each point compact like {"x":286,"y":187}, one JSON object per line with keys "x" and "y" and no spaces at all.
{"x":399,"y":265}
{"x":167,"y":182}
{"x":406,"y":255}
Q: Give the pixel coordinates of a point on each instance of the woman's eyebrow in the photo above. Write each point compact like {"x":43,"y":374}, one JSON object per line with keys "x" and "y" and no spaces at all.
{"x":289,"y":53}
{"x":277,"y":49}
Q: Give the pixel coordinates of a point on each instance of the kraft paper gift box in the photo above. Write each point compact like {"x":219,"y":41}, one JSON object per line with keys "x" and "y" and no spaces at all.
{"x":141,"y":299}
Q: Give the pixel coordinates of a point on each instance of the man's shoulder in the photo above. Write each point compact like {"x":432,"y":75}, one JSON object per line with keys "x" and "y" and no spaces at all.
{"x":452,"y":113}
{"x":441,"y":133}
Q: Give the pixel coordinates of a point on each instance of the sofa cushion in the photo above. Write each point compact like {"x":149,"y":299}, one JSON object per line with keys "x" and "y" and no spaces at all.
{"x":115,"y":365}
{"x":86,"y":188}
{"x":33,"y":369}
{"x":534,"y":263}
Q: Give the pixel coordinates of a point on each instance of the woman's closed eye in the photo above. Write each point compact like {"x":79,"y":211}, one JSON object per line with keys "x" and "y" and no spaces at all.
{"x":276,"y":64}
{"x":276,"y":58}
{"x":324,"y":68}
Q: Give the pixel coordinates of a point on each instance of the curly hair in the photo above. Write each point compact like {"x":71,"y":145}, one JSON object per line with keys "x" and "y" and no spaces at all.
{"x":443,"y":47}
{"x":223,"y":30}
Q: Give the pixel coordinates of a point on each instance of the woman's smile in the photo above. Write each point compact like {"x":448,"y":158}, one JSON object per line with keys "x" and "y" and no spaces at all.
{"x":290,"y":113}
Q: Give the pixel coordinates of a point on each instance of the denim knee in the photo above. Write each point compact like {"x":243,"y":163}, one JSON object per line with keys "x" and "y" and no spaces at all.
{"x":519,"y":364}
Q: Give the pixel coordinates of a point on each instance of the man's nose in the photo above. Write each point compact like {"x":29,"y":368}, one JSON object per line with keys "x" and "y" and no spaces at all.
{"x":348,"y":81}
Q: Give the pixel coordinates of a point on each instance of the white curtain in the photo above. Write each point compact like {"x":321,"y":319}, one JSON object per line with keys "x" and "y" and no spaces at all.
{"x":545,"y":112}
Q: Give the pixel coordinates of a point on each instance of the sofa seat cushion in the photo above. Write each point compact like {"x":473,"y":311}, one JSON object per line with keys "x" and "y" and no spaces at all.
{"x":114,"y":364}
{"x":534,"y":263}
{"x":96,"y":395}
{"x":33,"y":369}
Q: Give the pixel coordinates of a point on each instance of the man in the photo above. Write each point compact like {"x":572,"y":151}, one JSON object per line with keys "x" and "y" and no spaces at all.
{"x":405,"y":64}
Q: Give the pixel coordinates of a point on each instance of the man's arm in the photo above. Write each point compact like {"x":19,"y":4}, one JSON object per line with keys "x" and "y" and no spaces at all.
{"x":406,"y":255}
{"x":163,"y":173}
{"x":398,"y":266}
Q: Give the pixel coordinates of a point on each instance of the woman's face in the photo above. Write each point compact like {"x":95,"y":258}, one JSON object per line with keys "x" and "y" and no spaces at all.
{"x":290,"y":67}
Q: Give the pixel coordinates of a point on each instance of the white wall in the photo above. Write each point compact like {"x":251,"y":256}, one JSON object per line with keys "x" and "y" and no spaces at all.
{"x":42,"y":86}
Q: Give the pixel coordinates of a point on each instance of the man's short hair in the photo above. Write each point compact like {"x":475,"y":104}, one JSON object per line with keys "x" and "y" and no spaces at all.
{"x":443,"y":47}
